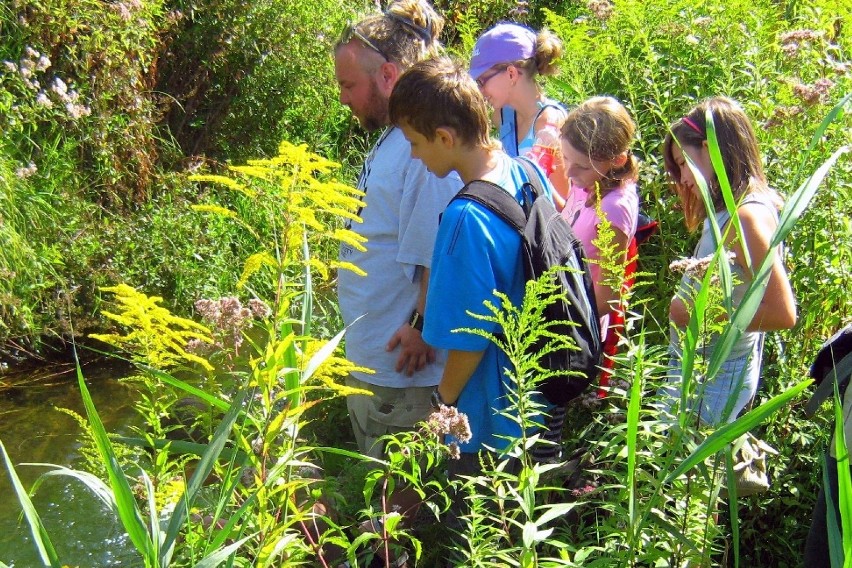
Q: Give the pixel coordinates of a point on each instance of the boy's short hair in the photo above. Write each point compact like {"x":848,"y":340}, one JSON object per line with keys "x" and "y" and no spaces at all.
{"x":438,"y":93}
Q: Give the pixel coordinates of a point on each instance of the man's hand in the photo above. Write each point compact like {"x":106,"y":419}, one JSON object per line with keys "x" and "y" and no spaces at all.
{"x":414,"y":353}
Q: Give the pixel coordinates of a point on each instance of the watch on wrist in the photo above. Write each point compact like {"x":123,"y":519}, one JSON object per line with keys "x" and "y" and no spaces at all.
{"x":416,"y":321}
{"x":437,"y":401}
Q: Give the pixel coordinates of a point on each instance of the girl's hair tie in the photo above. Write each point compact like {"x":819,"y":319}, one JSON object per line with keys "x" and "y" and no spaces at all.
{"x":690,"y":123}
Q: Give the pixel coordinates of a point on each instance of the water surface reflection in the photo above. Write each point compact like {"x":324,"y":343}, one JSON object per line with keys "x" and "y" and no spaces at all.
{"x":83,"y":532}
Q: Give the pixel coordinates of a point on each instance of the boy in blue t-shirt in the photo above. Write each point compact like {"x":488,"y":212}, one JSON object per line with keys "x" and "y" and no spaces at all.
{"x":444,"y":117}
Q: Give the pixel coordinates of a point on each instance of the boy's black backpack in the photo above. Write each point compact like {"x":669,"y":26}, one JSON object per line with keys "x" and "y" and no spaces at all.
{"x":549,"y":241}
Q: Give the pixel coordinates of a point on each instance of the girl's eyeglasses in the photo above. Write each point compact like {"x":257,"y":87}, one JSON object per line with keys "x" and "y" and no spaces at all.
{"x":351,"y":32}
{"x":484,"y":78}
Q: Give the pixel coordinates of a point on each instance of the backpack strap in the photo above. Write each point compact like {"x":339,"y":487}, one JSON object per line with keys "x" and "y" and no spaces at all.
{"x":497,"y":200}
{"x":533,"y":182}
{"x":545,"y":106}
{"x":840,"y":372}
{"x":509,"y":131}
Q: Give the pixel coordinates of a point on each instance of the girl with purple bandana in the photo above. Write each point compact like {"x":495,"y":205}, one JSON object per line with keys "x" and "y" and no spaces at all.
{"x":505,"y":62}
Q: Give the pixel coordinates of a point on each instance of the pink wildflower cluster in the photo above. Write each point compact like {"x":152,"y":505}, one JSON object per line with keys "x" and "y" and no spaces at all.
{"x":841,"y":68}
{"x":600,"y":9}
{"x":521,"y":10}
{"x":590,"y":399}
{"x":125,"y":9}
{"x":580,"y":491}
{"x":29,"y":66}
{"x":259,"y":309}
{"x":69,"y":98}
{"x":228,"y":318}
{"x":812,"y":94}
{"x":782,"y":114}
{"x":448,"y":420}
{"x":793,"y":41}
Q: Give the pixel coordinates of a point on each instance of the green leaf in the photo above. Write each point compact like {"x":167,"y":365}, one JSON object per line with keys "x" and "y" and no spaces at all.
{"x":40,"y":537}
{"x":205,"y":466}
{"x":92,"y":482}
{"x":219,"y":556}
{"x":844,"y":482}
{"x":128,"y":511}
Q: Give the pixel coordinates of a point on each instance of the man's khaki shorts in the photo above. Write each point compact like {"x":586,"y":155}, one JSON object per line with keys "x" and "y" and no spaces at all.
{"x":388,"y":411}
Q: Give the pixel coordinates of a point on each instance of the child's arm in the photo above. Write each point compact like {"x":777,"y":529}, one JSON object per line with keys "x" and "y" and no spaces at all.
{"x":608,"y":298}
{"x":460,"y":367}
{"x":558,"y":178}
{"x":679,"y":312}
{"x":777,"y":308}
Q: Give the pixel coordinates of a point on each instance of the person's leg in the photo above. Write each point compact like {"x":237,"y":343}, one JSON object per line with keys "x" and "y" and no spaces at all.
{"x":361,"y":407}
{"x":549,"y":447}
{"x":388,"y":411}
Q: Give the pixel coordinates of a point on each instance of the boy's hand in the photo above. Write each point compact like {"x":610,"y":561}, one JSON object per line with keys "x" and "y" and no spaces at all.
{"x":414,"y":354}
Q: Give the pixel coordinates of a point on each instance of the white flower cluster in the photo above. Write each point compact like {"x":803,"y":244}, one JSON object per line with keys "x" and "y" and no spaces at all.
{"x":26,"y":171}
{"x":69,"y":98}
{"x":30,"y":64}
{"x":30,"y":68}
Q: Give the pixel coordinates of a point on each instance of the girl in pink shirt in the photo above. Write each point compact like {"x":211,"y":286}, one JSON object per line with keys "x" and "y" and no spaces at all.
{"x":601,"y":171}
{"x":600,"y":168}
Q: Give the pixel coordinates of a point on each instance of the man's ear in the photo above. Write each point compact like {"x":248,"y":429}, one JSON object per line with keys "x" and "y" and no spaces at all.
{"x":388,"y":73}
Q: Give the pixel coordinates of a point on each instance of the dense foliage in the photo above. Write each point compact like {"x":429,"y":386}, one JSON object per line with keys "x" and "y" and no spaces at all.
{"x":108,"y":110}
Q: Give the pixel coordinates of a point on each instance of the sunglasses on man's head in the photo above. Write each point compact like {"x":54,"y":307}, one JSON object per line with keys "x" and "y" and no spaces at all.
{"x":351,"y":32}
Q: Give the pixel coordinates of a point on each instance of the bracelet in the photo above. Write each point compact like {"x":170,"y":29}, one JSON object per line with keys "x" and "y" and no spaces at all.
{"x":416,"y":320}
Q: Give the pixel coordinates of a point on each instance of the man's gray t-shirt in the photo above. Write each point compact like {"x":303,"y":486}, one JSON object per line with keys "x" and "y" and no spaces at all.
{"x":403,"y":203}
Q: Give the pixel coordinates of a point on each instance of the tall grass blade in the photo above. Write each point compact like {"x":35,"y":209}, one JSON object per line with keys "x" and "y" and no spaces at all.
{"x":222,"y":554}
{"x":832,"y":115}
{"x":733,"y":504}
{"x":182,"y":447}
{"x":793,"y":210}
{"x":726,"y":434}
{"x":844,"y":482}
{"x":40,"y":537}
{"x":205,"y":466}
{"x":725,"y":189}
{"x":128,"y":511}
{"x":153,"y":516}
{"x":186,"y":387}
{"x":290,"y":367}
{"x":835,"y":539}
{"x":632,"y":434}
{"x":322,"y":354}
{"x":92,"y":482}
{"x":308,"y":291}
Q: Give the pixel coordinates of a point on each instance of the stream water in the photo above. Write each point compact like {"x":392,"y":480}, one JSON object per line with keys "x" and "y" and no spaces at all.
{"x":83,"y":531}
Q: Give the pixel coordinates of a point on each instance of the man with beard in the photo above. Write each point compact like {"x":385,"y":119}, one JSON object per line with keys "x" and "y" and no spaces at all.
{"x":400,"y":220}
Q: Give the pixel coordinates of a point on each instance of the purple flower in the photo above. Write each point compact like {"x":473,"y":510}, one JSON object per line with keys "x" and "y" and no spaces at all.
{"x":448,"y":420}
